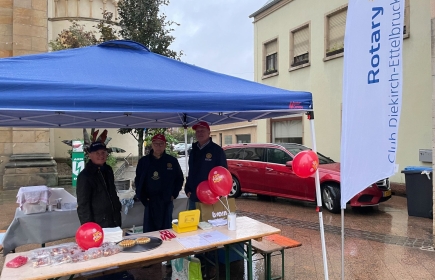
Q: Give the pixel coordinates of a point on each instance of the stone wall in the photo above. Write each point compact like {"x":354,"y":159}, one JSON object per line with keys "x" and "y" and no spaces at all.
{"x":29,"y":29}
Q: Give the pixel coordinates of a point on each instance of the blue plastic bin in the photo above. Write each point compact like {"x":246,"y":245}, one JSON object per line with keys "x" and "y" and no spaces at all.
{"x":419,"y":191}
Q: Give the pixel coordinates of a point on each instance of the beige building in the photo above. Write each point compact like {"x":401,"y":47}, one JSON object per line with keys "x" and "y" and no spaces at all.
{"x":299,"y":46}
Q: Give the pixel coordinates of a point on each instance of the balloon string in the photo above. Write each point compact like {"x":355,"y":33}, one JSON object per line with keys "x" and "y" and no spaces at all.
{"x":227,"y":208}
{"x":226,"y":198}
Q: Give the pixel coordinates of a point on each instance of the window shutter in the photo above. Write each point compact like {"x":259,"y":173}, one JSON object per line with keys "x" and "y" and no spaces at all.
{"x":292,"y":128}
{"x":271,"y":47}
{"x":337,"y":26}
{"x":301,"y":39}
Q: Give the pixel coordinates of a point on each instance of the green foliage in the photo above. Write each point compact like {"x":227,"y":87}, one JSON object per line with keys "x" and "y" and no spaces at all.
{"x":138,"y":134}
{"x":140,"y":21}
{"x":106,"y":28}
{"x":111,"y":161}
{"x":73,"y":37}
{"x":169,"y":139}
{"x":179,"y":134}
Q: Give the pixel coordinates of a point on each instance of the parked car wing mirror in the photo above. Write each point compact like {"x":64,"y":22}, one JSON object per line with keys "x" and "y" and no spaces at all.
{"x":289,"y":163}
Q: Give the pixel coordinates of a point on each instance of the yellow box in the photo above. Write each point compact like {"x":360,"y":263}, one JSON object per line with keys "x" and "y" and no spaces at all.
{"x":187,"y":221}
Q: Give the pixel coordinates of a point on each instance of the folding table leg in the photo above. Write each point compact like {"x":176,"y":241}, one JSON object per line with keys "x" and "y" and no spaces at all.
{"x":282,"y":263}
{"x":227,"y":262}
{"x":250,"y":276}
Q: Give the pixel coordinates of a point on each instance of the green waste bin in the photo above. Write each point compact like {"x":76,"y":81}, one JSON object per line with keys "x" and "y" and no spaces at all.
{"x":419,"y":191}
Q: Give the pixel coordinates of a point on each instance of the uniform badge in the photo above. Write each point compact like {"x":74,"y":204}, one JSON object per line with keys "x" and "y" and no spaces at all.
{"x":169,"y":165}
{"x":208,"y":155}
{"x":155,"y":175}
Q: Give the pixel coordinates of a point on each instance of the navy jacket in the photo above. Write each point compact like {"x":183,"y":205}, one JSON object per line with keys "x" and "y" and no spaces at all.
{"x":157,"y":181}
{"x":200,"y":164}
{"x":97,"y":199}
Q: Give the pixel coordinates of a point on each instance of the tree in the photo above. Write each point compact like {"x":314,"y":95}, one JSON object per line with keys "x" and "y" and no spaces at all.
{"x":179,"y":134}
{"x":140,"y":21}
{"x":73,"y":37}
{"x":106,"y":27}
{"x":144,"y":135}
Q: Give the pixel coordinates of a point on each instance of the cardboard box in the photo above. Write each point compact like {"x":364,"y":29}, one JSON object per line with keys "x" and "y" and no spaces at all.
{"x":215,"y":211}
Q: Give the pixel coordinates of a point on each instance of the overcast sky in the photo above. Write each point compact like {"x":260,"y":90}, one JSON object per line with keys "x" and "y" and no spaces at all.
{"x":216,"y":35}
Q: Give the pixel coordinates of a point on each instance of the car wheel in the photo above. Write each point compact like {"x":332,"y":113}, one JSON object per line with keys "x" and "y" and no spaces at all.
{"x":235,"y":190}
{"x":331,"y":198}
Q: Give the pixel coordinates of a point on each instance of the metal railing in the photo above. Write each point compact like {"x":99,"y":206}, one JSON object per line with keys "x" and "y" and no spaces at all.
{"x":120,"y":171}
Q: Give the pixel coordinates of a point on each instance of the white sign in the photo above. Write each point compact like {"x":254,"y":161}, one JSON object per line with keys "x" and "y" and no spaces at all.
{"x":372,"y":93}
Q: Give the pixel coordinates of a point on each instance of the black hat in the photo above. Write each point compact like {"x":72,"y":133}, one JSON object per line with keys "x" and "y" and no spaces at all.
{"x":95,"y":146}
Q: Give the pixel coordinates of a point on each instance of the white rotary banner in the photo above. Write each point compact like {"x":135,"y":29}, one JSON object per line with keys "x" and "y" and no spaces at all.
{"x":372,"y":93}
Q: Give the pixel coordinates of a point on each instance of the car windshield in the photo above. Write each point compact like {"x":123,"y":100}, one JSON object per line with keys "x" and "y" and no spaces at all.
{"x":295,"y":149}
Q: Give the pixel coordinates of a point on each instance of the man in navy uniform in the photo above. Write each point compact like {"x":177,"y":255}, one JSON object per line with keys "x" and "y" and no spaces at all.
{"x":205,"y":155}
{"x":158,"y":181}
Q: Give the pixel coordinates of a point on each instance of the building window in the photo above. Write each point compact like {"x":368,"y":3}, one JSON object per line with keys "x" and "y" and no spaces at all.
{"x":406,"y":25}
{"x":287,"y":131}
{"x":270,"y":57}
{"x":335,"y":25}
{"x":228,"y":139}
{"x":300,"y":46}
{"x":243,"y":138}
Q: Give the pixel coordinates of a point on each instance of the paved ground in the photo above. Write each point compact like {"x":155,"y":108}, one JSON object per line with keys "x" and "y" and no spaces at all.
{"x":380,"y":243}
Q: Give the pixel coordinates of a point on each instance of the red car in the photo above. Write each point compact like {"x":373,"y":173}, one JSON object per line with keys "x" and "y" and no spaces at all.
{"x":266,"y":169}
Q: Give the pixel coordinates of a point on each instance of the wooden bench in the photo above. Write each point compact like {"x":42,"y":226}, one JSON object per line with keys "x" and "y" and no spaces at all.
{"x":270,"y":244}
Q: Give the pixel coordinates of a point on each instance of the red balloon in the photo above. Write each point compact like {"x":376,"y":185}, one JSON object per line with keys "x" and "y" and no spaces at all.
{"x":305,"y":163}
{"x":89,"y":235}
{"x":220,"y":181}
{"x":205,"y":195}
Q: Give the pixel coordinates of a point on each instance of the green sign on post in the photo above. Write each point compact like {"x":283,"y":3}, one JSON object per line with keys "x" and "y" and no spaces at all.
{"x":78,"y":160}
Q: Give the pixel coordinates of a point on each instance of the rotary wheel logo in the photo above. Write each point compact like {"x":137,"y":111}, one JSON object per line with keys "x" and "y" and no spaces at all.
{"x":155,"y":175}
{"x":208,"y":156}
{"x":169,"y":165}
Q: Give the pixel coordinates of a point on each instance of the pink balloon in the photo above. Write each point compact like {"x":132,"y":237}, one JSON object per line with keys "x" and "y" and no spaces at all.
{"x":205,"y":195}
{"x":89,"y":235}
{"x":220,"y":181}
{"x":305,"y":163}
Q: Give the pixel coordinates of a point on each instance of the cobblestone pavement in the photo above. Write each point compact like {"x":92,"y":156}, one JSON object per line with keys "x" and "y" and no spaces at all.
{"x":380,"y":243}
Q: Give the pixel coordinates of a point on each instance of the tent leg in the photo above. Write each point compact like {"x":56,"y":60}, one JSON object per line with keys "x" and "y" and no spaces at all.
{"x":185,"y":151}
{"x":319,"y":203}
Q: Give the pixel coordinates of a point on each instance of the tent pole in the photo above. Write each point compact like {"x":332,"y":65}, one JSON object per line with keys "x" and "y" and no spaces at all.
{"x":319,"y":198}
{"x":185,"y":151}
{"x":342,"y":243}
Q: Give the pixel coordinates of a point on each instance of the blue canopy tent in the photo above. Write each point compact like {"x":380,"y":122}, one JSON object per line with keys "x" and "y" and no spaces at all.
{"x":121,"y":84}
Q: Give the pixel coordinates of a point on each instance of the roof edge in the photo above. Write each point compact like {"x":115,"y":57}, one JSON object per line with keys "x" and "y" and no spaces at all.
{"x":265,"y":7}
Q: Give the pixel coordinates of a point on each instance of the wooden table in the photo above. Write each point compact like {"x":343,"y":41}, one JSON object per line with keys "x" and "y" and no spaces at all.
{"x":247,"y":229}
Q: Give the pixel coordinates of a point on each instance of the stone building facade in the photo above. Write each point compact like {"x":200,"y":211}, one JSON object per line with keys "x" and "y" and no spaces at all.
{"x":26,"y":27}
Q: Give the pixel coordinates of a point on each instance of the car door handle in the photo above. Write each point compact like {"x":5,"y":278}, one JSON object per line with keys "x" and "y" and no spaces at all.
{"x":269,"y":169}
{"x":239,"y":164}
